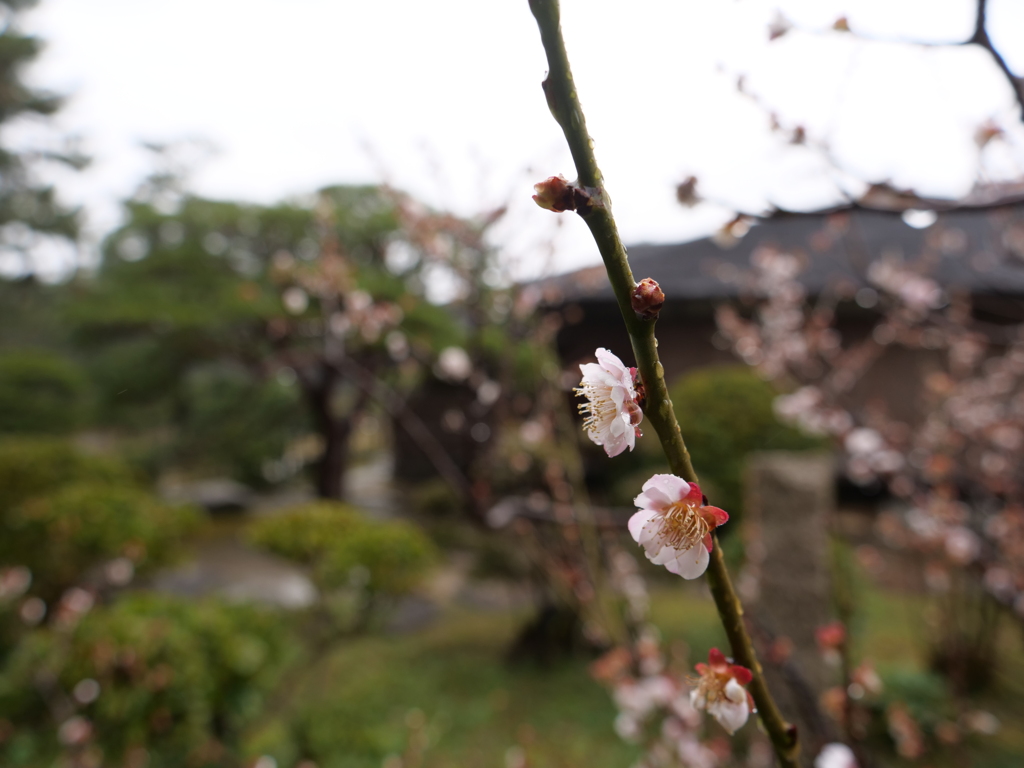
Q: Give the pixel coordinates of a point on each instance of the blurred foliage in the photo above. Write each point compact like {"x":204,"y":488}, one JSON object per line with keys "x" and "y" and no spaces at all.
{"x":379,"y":561}
{"x":33,"y":466}
{"x":60,"y":535}
{"x":235,"y":422}
{"x":168,"y":682}
{"x":726,"y":414}
{"x":65,"y":515}
{"x":214,"y":319}
{"x":30,"y":214}
{"x":446,"y":692}
{"x":41,"y":392}
{"x":391,"y":556}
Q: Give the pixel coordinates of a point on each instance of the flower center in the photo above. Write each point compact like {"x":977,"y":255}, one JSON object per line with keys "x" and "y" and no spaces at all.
{"x":711,"y":687}
{"x":684,"y":527}
{"x":598,"y":409}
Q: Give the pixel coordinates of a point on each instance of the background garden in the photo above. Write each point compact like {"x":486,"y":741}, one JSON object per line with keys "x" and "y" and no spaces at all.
{"x":303,"y":483}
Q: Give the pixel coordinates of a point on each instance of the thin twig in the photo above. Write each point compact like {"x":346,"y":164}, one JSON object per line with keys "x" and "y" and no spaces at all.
{"x":564,"y":103}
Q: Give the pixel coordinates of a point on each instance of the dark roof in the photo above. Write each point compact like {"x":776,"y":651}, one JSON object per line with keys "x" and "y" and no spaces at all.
{"x":981,"y":250}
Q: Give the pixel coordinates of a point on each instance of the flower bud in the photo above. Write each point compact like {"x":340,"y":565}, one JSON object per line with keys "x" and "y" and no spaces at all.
{"x":555,"y":194}
{"x":647,"y":299}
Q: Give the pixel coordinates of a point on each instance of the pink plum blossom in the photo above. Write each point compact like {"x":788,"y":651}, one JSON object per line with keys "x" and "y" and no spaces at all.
{"x":611,"y":411}
{"x":674,"y":525}
{"x":721,"y":693}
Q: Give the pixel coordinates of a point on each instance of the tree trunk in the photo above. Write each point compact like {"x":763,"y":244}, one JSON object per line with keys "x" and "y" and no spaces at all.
{"x":319,"y":388}
{"x":330,"y":480}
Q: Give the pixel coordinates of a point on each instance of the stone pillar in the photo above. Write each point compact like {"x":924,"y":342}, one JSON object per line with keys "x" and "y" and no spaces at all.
{"x":789,"y":499}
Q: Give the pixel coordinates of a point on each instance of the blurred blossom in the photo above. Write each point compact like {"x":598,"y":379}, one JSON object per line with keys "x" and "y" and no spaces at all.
{"x":454,"y":364}
{"x":936,"y":578}
{"x":86,"y":691}
{"x":962,"y":545}
{"x":32,"y":611}
{"x":905,"y":731}
{"x":835,"y":756}
{"x":982,"y":722}
{"x":398,"y":345}
{"x":74,"y":731}
{"x":919,"y":219}
{"x":488,"y":393}
{"x":721,"y":693}
{"x":74,"y":604}
{"x":831,"y":638}
{"x":515,"y":757}
{"x":532,"y":432}
{"x":867,"y":678}
{"x":338,"y":323}
{"x":295,"y":300}
{"x":1000,"y":582}
{"x":863,"y":441}
{"x":358,"y":301}
{"x":119,"y":572}
{"x":14,"y":582}
{"x":923,"y":524}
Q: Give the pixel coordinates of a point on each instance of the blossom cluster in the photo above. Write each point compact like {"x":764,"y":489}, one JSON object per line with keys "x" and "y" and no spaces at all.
{"x":674,"y":522}
{"x":968,"y":445}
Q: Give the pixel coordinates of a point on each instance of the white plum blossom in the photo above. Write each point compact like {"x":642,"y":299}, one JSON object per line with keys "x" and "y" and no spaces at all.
{"x":612,"y":414}
{"x":835,"y":755}
{"x":674,"y":525}
{"x":720,"y":691}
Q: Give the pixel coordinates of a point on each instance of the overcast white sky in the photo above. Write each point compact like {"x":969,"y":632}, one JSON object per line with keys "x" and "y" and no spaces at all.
{"x":443,"y":98}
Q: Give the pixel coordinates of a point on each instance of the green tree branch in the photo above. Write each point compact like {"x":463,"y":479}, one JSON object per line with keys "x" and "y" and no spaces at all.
{"x":563,"y":101}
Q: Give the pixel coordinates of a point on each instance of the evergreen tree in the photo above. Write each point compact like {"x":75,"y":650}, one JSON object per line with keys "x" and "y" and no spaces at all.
{"x":29,"y":210}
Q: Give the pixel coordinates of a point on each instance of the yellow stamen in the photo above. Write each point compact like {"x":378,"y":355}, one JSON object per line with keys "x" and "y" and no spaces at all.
{"x":597,"y":409}
{"x":684,"y":527}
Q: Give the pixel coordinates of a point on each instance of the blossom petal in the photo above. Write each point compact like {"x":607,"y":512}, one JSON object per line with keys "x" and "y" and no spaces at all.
{"x":716,"y":658}
{"x":650,"y":534}
{"x":691,"y":563}
{"x":735,"y":692}
{"x":693,"y":496}
{"x":741,"y":674}
{"x":638,"y":521}
{"x":664,"y":489}
{"x":616,"y":444}
{"x":730,"y":715}
{"x":720,"y":516}
{"x":666,"y":555}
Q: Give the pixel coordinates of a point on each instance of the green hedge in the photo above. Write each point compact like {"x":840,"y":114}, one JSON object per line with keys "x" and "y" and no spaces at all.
{"x":62,"y":534}
{"x":177,"y":680}
{"x":41,"y":392}
{"x":725,"y":414}
{"x":345,"y":550}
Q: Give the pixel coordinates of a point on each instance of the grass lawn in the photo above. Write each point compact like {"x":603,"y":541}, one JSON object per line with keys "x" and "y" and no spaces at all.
{"x":447,"y":689}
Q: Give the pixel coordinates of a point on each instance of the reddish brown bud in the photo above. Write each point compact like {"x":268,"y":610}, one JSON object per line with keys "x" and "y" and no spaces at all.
{"x":647,"y":299}
{"x":686,"y":193}
{"x":555,"y":194}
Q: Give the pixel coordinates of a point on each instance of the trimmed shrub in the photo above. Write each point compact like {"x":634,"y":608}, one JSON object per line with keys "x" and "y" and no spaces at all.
{"x":378,"y":561}
{"x":31,"y":466}
{"x":305,"y":533}
{"x":151,"y":677}
{"x":61,"y":535}
{"x":41,"y":392}
{"x":725,"y":414}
